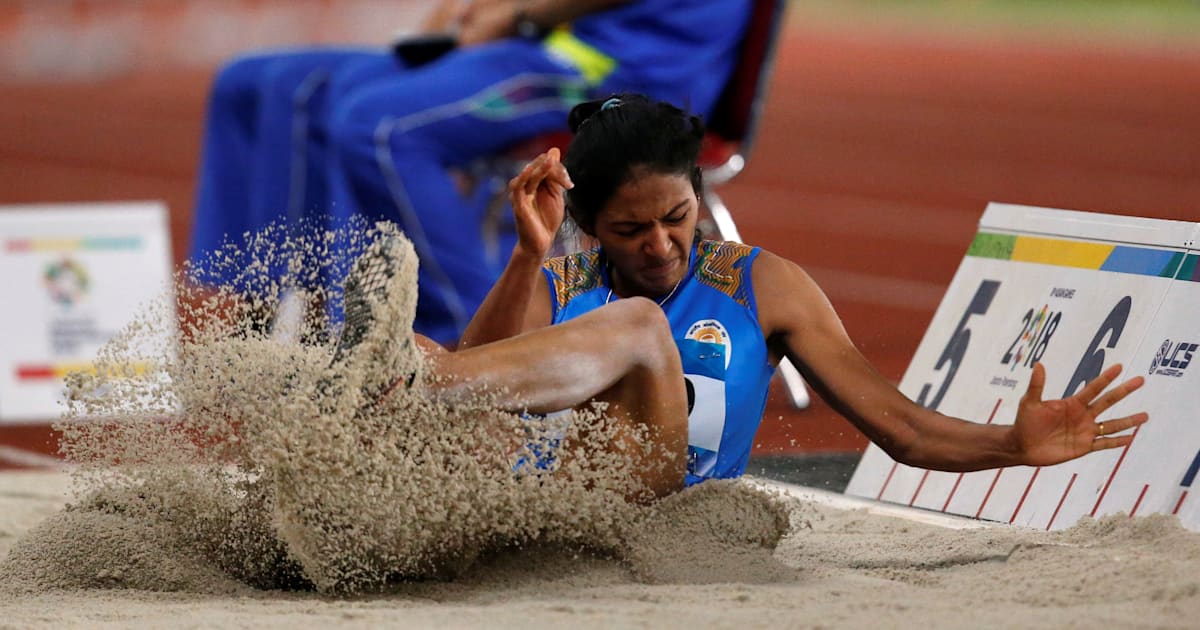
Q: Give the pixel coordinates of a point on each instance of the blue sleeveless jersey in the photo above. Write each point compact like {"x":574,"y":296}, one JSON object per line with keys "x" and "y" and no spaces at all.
{"x":715,"y":324}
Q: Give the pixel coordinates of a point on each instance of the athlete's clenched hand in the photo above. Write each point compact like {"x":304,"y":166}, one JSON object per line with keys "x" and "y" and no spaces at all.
{"x":537,"y":197}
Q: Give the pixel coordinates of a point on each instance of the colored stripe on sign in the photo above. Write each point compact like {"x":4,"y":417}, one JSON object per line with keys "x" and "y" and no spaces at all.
{"x":1190,"y":269}
{"x":1052,"y":251}
{"x":36,"y":373}
{"x":91,"y":243}
{"x":1062,"y":500}
{"x":51,"y":372}
{"x":1143,"y":261}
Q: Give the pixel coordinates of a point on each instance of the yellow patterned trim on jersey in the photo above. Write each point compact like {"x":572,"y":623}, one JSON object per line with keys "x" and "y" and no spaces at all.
{"x":720,"y":265}
{"x":574,"y":274}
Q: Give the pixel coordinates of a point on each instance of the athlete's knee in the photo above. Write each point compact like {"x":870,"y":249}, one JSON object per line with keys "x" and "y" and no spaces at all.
{"x":236,"y":83}
{"x":641,"y":314}
{"x":645,"y":328}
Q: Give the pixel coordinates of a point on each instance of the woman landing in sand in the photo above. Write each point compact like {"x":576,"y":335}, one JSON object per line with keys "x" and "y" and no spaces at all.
{"x":681,"y":336}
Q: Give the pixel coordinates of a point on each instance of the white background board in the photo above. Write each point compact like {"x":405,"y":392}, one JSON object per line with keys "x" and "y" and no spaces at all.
{"x":73,"y":275}
{"x":1079,"y":320}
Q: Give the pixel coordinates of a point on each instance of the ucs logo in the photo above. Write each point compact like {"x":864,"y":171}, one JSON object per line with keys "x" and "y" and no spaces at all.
{"x":1173,"y":358}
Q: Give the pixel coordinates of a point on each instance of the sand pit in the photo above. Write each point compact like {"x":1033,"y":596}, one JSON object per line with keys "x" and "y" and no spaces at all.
{"x":244,"y":480}
{"x":850,"y":567}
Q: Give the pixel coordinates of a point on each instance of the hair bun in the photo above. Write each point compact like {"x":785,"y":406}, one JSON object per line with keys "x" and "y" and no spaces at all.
{"x":584,"y":111}
{"x":581,"y":113}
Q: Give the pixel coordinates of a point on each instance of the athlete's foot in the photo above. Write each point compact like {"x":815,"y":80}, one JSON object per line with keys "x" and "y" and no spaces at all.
{"x":380,"y":300}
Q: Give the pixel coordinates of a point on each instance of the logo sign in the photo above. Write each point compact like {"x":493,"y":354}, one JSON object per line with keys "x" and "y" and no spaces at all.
{"x":1037,"y":328}
{"x":66,"y":281}
{"x":79,"y":273}
{"x":711,"y":331}
{"x":1173,"y":358}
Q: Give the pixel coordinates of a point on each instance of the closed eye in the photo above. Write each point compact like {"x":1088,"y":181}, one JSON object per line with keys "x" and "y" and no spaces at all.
{"x":675,"y":216}
{"x":677,"y":219}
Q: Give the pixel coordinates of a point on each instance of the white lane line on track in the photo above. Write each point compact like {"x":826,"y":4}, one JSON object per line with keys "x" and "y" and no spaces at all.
{"x":22,"y":457}
{"x":851,"y":286}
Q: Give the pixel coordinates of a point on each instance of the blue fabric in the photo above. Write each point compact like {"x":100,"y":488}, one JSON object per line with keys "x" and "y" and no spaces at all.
{"x":314,"y":138}
{"x":714,"y":320}
{"x":264,"y":149}
{"x":394,"y":141}
{"x":671,"y":50}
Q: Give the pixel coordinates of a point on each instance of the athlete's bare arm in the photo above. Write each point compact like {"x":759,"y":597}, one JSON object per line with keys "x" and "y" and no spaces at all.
{"x":520,"y":299}
{"x":799,"y":322}
{"x":638,"y":374}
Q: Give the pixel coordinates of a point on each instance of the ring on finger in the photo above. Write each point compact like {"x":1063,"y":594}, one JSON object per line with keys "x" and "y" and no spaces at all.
{"x":1101,"y":427}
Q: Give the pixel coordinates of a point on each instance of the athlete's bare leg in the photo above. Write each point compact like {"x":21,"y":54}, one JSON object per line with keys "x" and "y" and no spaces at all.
{"x":622,"y":354}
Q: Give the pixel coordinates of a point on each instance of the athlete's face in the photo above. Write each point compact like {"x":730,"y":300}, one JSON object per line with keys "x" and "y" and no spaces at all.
{"x":647,"y":230}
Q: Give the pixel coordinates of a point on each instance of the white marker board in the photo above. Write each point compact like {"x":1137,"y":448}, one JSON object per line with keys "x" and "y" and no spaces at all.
{"x":1079,"y":292}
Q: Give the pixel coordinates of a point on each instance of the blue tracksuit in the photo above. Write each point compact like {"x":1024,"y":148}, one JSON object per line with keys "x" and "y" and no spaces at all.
{"x":320,"y":137}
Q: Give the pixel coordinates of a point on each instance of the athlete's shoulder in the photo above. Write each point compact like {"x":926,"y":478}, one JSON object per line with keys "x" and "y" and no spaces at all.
{"x":729,"y":249}
{"x":772,"y":268}
{"x":725,"y":266}
{"x":574,"y":274}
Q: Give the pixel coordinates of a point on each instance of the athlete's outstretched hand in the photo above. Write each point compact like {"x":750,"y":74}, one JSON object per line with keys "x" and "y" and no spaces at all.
{"x":1054,"y":431}
{"x":537,"y":200}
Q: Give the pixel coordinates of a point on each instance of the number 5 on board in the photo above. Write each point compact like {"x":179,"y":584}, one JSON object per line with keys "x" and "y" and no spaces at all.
{"x":956,"y":348}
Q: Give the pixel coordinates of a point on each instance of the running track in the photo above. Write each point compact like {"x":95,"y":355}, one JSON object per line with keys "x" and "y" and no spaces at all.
{"x":878,"y":152}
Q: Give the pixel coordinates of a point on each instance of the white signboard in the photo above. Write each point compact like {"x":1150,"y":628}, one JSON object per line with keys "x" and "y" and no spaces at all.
{"x":1078,"y":292}
{"x":73,"y":276}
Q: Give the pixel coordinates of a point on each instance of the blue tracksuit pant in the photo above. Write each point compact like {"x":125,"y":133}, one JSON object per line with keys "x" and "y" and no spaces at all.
{"x":313,"y":138}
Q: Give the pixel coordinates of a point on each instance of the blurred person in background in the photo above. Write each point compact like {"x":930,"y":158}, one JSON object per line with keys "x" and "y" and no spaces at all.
{"x":314,"y":138}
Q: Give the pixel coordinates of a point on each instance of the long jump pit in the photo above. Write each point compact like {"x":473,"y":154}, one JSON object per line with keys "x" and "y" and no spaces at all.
{"x":839,"y":563}
{"x":243,"y":481}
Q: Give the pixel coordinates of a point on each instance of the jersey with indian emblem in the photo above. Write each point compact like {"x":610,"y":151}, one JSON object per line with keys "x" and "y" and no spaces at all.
{"x":714,"y":321}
